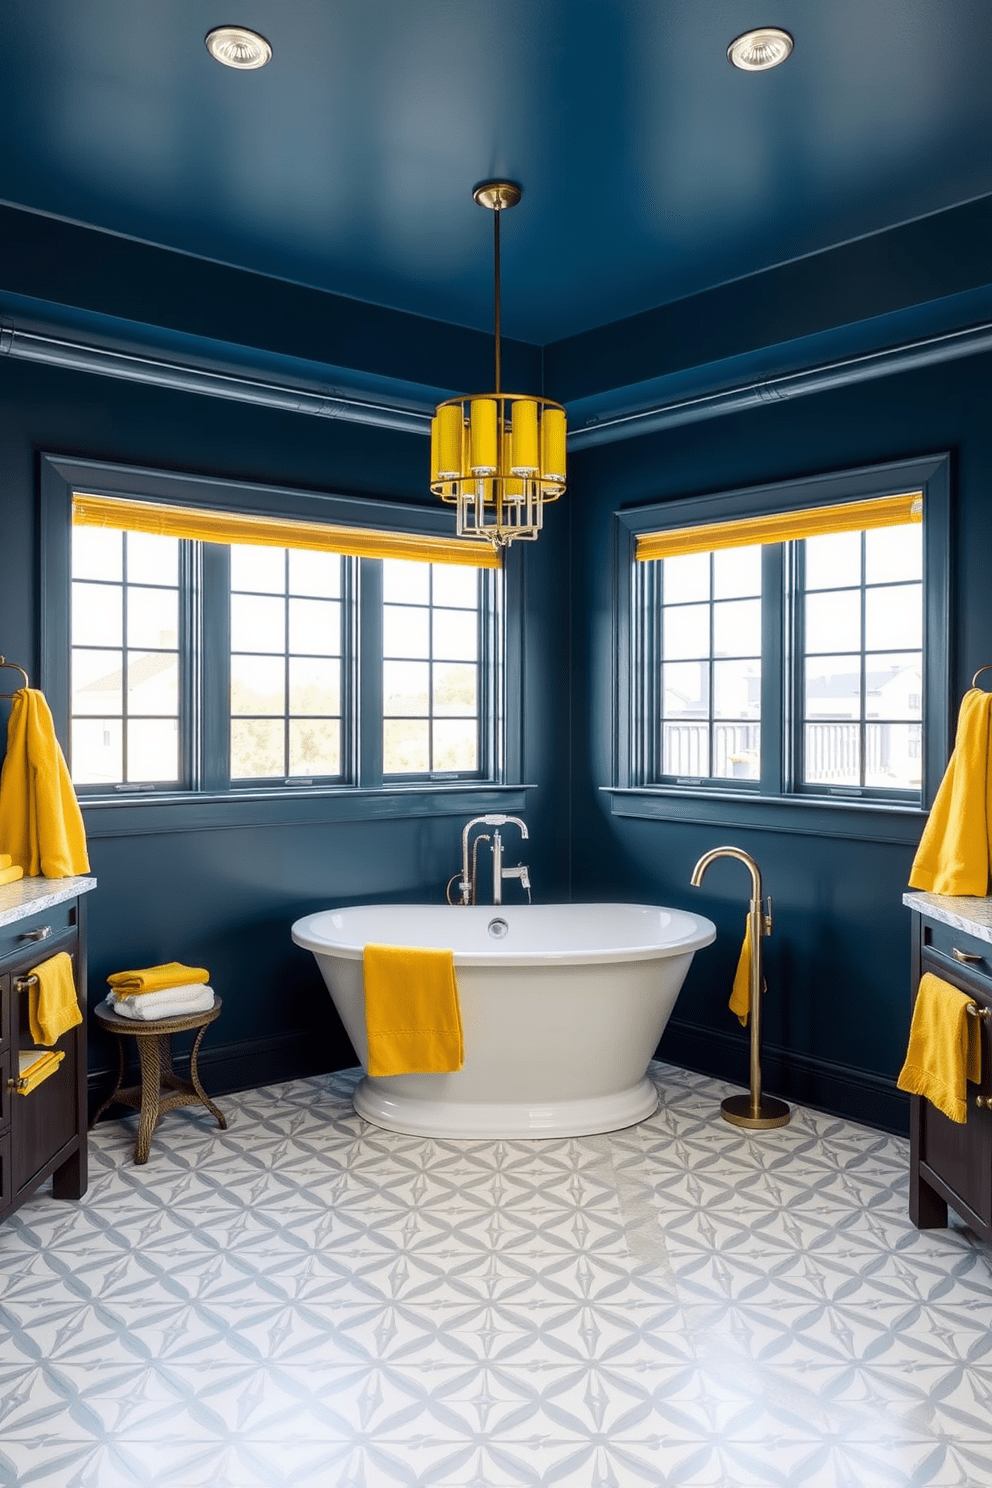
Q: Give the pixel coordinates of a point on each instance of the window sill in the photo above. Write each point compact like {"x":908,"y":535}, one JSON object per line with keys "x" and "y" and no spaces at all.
{"x":142,"y":815}
{"x":866,"y":821}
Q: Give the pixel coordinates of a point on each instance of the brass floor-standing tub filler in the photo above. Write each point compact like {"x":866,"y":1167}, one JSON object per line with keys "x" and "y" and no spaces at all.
{"x":754,"y":1110}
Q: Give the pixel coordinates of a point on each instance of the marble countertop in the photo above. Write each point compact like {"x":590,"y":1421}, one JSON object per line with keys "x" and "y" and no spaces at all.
{"x":29,"y":896}
{"x":974,"y":916}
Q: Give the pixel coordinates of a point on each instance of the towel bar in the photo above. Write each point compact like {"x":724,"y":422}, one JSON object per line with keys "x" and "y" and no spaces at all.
{"x":977,"y":1012}
{"x":21,"y":984}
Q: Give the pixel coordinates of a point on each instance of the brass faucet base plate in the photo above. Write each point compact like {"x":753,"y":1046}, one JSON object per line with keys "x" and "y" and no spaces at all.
{"x":771,"y":1112}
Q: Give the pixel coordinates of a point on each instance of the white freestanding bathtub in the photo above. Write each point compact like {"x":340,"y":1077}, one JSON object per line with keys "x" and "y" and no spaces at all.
{"x":562,"y":1007}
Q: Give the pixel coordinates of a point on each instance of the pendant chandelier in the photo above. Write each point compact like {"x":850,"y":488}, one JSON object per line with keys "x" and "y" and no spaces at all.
{"x":498,"y":457}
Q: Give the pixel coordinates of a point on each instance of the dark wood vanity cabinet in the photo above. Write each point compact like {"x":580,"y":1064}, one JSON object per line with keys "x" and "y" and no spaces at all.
{"x":42,"y":1134}
{"x":951,"y":1164}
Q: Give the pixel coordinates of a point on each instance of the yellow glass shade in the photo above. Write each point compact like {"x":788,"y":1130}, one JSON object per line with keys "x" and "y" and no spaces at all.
{"x":553,"y":444}
{"x":524,"y":457}
{"x":449,"y":441}
{"x":484,"y":425}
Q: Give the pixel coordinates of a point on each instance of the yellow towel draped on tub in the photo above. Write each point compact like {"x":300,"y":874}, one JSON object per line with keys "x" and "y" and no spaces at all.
{"x":412,"y":1015}
{"x":41,"y":826}
{"x":52,"y":1005}
{"x":156,"y":978}
{"x":944,"y":1048}
{"x":954,"y":853}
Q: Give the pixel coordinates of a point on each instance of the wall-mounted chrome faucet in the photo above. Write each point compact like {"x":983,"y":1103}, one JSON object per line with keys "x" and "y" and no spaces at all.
{"x":468,"y":882}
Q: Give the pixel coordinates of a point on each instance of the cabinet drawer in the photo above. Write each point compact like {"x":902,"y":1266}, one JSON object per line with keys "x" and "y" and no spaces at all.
{"x":19,"y":939}
{"x":945,"y":940}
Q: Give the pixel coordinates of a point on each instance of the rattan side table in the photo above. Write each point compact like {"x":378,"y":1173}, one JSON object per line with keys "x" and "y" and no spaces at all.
{"x":161,"y":1089}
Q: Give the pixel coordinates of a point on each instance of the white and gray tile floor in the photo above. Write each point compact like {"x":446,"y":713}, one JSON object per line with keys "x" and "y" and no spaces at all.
{"x":305,"y":1300}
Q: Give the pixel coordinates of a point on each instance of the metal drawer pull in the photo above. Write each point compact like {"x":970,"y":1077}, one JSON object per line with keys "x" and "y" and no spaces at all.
{"x":44,"y":933}
{"x":21,"y":984}
{"x":984,"y":1102}
{"x":977,"y":1012}
{"x":966,"y":956}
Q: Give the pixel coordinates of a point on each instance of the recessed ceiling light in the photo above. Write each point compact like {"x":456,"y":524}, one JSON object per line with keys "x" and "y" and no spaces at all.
{"x":758,"y":50}
{"x":236,"y":46}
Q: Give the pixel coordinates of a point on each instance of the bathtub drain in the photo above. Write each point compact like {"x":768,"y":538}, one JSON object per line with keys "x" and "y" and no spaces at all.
{"x":498,"y":928}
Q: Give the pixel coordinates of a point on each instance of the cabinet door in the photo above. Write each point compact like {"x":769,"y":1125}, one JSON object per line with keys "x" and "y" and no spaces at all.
{"x":42,"y":1122}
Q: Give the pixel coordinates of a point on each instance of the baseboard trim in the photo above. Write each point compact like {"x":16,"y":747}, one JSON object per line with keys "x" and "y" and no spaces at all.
{"x":837,"y":1089}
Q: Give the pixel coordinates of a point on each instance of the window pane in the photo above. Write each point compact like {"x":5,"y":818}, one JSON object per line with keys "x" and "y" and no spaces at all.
{"x":405,"y":687}
{"x":685,"y":689}
{"x":894,"y":617}
{"x":315,"y":626}
{"x":833,"y":621}
{"x":736,"y":572}
{"x":455,"y":744}
{"x":97,"y":682}
{"x":894,"y":686}
{"x":405,"y":631}
{"x":894,"y":553}
{"x":152,"y":617}
{"x":833,"y":687}
{"x":833,"y":754}
{"x":97,"y":615}
{"x":686,"y":748}
{"x":737,"y":751}
{"x":686,"y":579}
{"x":314,"y":685}
{"x":736,"y":689}
{"x":405,"y":747}
{"x":152,"y":560}
{"x":257,"y":624}
{"x":257,"y":748}
{"x":97,"y":553}
{"x":404,"y":582}
{"x":456,"y":635}
{"x":97,"y":751}
{"x":455,"y":690}
{"x":152,"y":749}
{"x":315,"y":746}
{"x":737,"y":628}
{"x":258,"y":684}
{"x":686,"y":630}
{"x":454,"y":586}
{"x":262,"y":570}
{"x":894,"y":756}
{"x":153,"y":683}
{"x":317,"y":574}
{"x":833,"y":561}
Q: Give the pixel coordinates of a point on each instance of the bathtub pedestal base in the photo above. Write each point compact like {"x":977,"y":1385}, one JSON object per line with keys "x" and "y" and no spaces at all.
{"x":377,"y":1102}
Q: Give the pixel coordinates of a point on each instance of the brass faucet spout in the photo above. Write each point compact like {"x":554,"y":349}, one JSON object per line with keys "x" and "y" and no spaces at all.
{"x":729,"y":852}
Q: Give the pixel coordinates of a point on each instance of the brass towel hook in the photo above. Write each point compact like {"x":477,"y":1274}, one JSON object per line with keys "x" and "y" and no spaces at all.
{"x":13,"y":667}
{"x":974,"y":680}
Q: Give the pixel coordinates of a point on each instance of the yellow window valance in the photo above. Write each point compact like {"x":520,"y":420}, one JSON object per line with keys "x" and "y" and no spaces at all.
{"x":814,"y":521}
{"x":274,"y":532}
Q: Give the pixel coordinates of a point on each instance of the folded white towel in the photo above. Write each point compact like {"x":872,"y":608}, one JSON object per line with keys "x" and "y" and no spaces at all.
{"x":171,"y":1002}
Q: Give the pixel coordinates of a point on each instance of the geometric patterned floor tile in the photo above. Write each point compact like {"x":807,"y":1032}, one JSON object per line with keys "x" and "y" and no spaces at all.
{"x":305,"y":1300}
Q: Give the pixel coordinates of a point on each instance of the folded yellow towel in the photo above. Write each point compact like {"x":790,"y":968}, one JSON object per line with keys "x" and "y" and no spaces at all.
{"x":154,"y":978}
{"x":33,"y":1068}
{"x":10,"y":875}
{"x":954,"y":852}
{"x":41,"y":827}
{"x":740,"y":997}
{"x":412,"y":1015}
{"x":944,"y":1048}
{"x":52,"y":1005}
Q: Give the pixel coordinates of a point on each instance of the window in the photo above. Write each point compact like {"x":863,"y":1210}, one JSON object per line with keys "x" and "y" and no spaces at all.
{"x":781,"y":649}
{"x":214,"y":650}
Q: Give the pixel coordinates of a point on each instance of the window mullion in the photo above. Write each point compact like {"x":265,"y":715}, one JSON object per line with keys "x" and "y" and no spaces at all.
{"x":212,"y":667}
{"x":780,"y":688}
{"x":369,"y":651}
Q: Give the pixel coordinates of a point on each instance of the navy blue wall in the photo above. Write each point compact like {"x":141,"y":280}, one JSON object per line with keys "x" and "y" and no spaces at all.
{"x":226,"y":898}
{"x":838,"y":961}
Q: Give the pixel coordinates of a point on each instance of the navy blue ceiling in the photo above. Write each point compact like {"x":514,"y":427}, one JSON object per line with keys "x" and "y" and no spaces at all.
{"x":651,"y":168}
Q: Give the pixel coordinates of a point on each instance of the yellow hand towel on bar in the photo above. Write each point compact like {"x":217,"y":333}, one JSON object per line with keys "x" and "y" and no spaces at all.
{"x":41,"y":827}
{"x":10,"y":875}
{"x":954,"y":852}
{"x":944,"y":1048}
{"x":412,"y":1016}
{"x":52,"y":1005}
{"x":33,"y":1068}
{"x":5,"y":861}
{"x":154,"y":978}
{"x":740,"y":997}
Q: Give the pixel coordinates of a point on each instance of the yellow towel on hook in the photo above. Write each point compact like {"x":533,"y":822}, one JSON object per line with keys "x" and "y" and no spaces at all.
{"x":155,"y":978}
{"x":41,"y":826}
{"x":740,"y":997}
{"x":412,"y":1016}
{"x":52,"y":1005}
{"x":33,"y":1068}
{"x":10,"y":875}
{"x":954,"y":852}
{"x":944,"y":1048}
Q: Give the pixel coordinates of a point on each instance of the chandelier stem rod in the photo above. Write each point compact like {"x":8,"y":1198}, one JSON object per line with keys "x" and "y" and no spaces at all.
{"x":496,"y":216}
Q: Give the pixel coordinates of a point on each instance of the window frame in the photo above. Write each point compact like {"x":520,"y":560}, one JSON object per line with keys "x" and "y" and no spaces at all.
{"x":209,"y":797}
{"x":777,"y":801}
